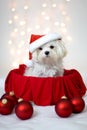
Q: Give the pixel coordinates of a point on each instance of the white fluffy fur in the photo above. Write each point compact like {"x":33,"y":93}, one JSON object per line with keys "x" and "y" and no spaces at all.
{"x":47,"y":65}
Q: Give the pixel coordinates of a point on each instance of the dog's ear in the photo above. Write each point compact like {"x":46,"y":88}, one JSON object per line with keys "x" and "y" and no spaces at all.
{"x":34,"y":56}
{"x":61,"y":49}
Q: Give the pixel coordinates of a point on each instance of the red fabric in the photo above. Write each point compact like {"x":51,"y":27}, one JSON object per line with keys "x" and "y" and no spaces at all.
{"x":44,"y":91}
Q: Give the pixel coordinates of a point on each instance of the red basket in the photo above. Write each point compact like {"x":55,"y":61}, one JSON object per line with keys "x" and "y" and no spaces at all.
{"x":44,"y":90}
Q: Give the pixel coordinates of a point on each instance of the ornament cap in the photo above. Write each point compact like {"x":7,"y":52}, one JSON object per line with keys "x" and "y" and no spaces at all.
{"x":64,"y":97}
{"x":20,"y":99}
{"x":4,"y":101}
{"x":11,"y":93}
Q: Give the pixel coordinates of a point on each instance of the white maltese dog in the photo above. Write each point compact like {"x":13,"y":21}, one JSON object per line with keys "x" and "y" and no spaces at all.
{"x":48,"y":60}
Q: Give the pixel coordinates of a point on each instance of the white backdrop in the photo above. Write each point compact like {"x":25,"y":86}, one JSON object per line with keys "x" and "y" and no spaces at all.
{"x":77,"y":29}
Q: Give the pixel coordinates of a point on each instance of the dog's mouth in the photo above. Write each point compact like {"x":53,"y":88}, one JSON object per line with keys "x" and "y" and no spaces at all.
{"x":47,"y":60}
{"x":47,"y":56}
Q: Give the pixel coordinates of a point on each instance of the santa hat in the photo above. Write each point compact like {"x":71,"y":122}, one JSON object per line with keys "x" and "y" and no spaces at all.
{"x":37,"y":41}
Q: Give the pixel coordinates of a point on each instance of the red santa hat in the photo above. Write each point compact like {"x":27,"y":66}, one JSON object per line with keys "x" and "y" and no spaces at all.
{"x":37,"y":41}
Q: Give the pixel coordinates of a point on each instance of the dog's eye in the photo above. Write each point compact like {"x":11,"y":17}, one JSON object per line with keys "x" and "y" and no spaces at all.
{"x":51,"y":47}
{"x":40,"y":48}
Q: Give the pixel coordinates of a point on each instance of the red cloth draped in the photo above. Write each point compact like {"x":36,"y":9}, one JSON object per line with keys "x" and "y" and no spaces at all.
{"x":44,"y":90}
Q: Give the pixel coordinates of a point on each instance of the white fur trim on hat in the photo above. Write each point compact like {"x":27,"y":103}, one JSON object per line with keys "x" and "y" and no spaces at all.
{"x":43,"y":40}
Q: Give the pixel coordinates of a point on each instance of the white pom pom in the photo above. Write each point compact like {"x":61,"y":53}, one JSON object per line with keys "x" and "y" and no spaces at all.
{"x":28,"y":63}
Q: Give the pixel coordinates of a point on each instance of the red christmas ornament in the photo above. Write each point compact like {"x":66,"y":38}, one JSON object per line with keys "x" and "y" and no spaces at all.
{"x":78,"y":104}
{"x":63,"y":108}
{"x":10,"y":96}
{"x":24,"y":110}
{"x":6,"y":106}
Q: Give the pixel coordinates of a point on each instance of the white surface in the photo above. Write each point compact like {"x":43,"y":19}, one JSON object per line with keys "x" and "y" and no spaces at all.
{"x":44,"y":118}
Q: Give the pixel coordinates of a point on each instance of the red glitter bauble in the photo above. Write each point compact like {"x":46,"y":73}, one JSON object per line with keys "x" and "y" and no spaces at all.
{"x":78,"y":104}
{"x":24,"y":110}
{"x":6,"y":106}
{"x":63,"y":108}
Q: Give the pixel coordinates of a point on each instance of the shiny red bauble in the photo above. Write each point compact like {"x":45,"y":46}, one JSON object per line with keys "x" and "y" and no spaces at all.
{"x":24,"y":110}
{"x":10,"y":96}
{"x":63,"y":108}
{"x":78,"y":104}
{"x":6,"y":106}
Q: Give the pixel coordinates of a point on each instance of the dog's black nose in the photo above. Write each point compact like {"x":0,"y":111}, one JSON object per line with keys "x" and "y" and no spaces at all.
{"x":47,"y":53}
